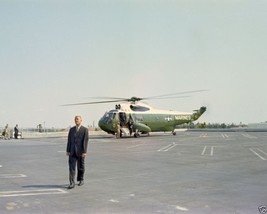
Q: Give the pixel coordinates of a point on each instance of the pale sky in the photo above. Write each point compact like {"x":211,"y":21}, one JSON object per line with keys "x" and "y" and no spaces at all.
{"x":58,"y":52}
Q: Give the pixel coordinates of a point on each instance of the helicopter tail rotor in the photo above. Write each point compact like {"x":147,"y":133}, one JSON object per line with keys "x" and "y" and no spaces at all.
{"x":199,"y":112}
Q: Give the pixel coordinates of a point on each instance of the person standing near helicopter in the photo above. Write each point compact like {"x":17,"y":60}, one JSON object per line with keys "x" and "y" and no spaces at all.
{"x":16,"y":131}
{"x":76,"y":150}
{"x":118,"y":130}
{"x":5,"y":133}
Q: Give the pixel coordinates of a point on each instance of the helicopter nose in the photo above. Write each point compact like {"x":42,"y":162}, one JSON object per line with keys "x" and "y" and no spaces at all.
{"x":102,"y":124}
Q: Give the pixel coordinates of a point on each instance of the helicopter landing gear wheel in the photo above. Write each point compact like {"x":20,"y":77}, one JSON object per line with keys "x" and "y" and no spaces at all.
{"x":136,"y":135}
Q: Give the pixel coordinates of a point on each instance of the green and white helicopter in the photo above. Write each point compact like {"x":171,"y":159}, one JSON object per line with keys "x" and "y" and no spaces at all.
{"x":135,"y":117}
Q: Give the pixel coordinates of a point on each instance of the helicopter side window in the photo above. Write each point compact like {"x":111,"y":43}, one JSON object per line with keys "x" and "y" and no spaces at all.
{"x":106,"y":118}
{"x":139,"y":108}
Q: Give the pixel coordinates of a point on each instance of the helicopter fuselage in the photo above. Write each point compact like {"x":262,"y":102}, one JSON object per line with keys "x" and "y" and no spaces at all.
{"x":141,"y":118}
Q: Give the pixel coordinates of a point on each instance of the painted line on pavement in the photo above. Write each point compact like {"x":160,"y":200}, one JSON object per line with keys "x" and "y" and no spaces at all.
{"x":252,"y":150}
{"x":182,"y":208}
{"x":204,"y":135}
{"x":167,"y":148}
{"x":205,"y":149}
{"x":262,"y":151}
{"x":249,"y":136}
{"x":224,"y":135}
{"x":12,"y":176}
{"x":211,"y":151}
{"x":32,"y":192}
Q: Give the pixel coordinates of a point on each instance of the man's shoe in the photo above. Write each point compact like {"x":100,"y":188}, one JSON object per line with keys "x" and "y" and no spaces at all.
{"x":81,"y":183}
{"x":71,"y":186}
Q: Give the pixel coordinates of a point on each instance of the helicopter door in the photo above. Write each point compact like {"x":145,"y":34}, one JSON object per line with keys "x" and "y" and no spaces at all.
{"x":122,"y":117}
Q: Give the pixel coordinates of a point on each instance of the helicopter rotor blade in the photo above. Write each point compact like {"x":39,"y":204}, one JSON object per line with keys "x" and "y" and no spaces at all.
{"x":173,"y":97}
{"x":173,"y":94}
{"x":136,"y":99}
{"x":107,"y":98}
{"x":97,"y":102}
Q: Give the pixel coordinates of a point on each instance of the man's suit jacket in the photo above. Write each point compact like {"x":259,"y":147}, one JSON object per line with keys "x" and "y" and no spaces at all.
{"x":77,"y":141}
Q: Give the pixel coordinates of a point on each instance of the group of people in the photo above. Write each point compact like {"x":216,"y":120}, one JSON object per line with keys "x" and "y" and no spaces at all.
{"x":6,"y":132}
{"x":121,"y":124}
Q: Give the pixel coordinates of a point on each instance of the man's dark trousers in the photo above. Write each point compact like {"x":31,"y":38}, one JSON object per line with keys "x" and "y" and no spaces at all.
{"x":73,"y":160}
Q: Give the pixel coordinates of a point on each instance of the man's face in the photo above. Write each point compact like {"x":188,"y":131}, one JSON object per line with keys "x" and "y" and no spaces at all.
{"x":78,"y":120}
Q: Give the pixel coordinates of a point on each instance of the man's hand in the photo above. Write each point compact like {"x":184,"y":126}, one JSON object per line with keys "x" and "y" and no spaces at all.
{"x":83,"y":155}
{"x":67,"y":153}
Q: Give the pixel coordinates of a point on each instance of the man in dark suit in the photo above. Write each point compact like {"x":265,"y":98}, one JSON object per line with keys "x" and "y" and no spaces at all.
{"x":76,"y":150}
{"x":16,"y":131}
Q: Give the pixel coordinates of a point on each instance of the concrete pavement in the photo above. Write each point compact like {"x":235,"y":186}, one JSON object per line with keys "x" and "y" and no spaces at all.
{"x":192,"y":172}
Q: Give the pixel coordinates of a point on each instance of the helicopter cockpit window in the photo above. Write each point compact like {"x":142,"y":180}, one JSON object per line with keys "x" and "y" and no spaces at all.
{"x":108,"y":117}
{"x":139,"y":108}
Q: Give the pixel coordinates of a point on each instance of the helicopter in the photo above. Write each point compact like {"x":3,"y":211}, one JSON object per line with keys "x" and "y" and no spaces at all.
{"x":136,"y":118}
